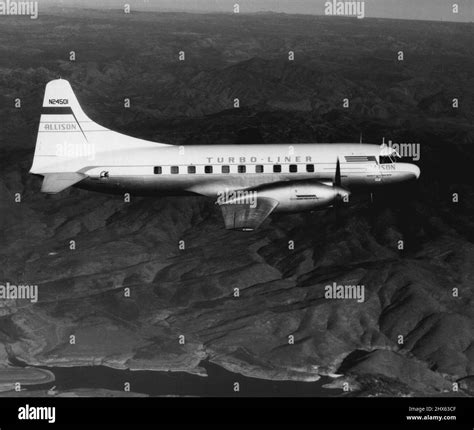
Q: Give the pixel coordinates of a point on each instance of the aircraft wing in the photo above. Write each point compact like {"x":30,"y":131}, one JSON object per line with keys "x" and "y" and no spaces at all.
{"x":247,"y":217}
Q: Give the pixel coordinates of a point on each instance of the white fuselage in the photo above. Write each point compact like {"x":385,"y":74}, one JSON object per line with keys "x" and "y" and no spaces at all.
{"x":211,"y":169}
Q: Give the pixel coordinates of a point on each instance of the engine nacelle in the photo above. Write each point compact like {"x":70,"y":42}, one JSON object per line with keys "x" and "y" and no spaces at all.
{"x":295,"y":196}
{"x":302,"y":196}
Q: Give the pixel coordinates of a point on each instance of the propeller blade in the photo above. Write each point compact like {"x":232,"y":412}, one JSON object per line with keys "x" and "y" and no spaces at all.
{"x":342,"y":193}
{"x":337,"y":178}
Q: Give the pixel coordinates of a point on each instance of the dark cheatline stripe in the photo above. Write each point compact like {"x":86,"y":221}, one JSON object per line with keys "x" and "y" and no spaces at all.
{"x":49,"y":110}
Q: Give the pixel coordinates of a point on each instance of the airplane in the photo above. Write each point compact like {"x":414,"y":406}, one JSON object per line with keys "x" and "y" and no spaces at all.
{"x":249,"y":182}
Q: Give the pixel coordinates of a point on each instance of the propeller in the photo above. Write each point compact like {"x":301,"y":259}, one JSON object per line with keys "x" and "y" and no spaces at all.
{"x":337,"y":178}
{"x":341,"y":193}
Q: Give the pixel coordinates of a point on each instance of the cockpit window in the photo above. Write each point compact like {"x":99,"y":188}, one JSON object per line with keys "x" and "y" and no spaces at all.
{"x":388,"y":155}
{"x":386,"y":159}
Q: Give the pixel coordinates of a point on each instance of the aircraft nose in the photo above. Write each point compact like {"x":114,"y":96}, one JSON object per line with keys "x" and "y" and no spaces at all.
{"x":415,"y":170}
{"x":408,"y":171}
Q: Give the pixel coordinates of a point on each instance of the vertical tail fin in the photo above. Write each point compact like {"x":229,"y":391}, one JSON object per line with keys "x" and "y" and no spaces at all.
{"x":68,"y":141}
{"x":62,"y":138}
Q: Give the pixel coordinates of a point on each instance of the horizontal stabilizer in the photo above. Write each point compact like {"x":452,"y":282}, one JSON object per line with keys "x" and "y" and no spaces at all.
{"x":55,"y":182}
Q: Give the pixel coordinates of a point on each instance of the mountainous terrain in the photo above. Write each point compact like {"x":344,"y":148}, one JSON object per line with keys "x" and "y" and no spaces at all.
{"x":128,"y":291}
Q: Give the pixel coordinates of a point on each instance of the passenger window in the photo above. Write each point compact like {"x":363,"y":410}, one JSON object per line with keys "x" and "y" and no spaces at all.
{"x":157,"y":170}
{"x":293,"y":168}
{"x":174,"y":169}
{"x":191,"y":169}
{"x":258,"y":168}
{"x":310,"y":168}
{"x":225,"y":169}
{"x":207,"y":169}
{"x":277,"y":168}
{"x":241,"y":169}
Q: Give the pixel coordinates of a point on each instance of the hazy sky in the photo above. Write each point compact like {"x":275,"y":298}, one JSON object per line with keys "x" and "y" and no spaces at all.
{"x":404,"y":9}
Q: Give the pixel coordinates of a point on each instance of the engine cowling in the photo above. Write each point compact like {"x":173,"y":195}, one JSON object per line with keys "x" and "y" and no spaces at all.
{"x":295,"y":196}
